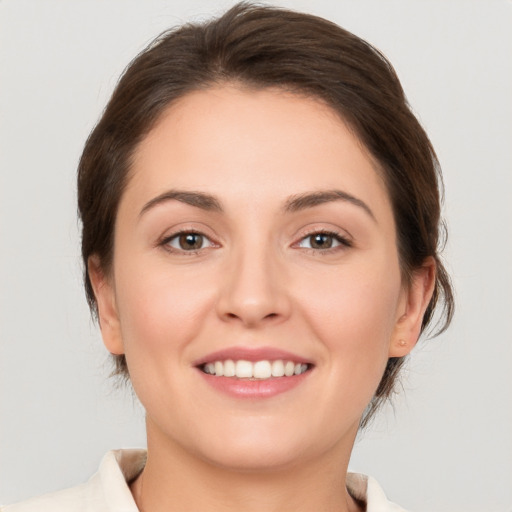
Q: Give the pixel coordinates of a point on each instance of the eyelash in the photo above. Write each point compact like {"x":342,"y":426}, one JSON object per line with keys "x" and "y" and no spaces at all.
{"x":342,"y":240}
{"x":166,"y":241}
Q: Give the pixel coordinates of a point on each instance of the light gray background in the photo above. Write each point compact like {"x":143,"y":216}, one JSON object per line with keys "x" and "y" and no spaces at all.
{"x":448,"y":445}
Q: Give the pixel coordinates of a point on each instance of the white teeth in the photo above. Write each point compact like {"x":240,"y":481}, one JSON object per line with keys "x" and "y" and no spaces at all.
{"x":277,"y":368}
{"x":209,"y":368}
{"x":258,"y":370}
{"x":289,"y":368}
{"x":300,"y":368}
{"x":219,"y":368}
{"x":262,"y":370}
{"x":243,"y":369}
{"x":229,"y":368}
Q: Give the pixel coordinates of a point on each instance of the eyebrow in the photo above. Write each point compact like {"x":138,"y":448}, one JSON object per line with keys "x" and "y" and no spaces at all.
{"x":311,"y":199}
{"x":198,"y":199}
{"x":293,"y":204}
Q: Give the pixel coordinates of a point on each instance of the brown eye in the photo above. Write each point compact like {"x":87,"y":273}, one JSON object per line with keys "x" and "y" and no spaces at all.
{"x":323,"y":241}
{"x":188,"y":241}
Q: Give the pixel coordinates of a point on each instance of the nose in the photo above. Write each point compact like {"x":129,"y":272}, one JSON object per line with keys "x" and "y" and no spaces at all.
{"x":253,"y":291}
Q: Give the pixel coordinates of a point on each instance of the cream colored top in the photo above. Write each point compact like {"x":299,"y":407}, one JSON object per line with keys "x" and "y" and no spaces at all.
{"x":108,"y":491}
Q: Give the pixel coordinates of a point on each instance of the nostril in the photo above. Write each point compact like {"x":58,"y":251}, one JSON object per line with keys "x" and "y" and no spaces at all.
{"x":251,"y":318}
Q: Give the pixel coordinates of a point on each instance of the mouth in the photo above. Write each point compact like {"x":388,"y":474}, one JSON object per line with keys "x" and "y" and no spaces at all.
{"x":254,"y":373}
{"x":259,"y":370}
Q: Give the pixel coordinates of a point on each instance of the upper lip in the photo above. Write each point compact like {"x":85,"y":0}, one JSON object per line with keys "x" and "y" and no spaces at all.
{"x":251,"y":354}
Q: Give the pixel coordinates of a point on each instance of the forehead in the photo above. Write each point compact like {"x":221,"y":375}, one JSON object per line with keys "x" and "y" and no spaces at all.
{"x":252,"y":145}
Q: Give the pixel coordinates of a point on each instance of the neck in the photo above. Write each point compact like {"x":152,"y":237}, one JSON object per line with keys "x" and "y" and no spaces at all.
{"x":174,"y":479}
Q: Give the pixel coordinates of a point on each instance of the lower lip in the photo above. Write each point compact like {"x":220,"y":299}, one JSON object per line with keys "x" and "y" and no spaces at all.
{"x":248,"y":388}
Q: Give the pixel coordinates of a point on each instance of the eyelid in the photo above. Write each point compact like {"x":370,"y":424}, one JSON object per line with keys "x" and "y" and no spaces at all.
{"x":177,"y":236}
{"x":320,"y":227}
{"x":345,"y":240}
{"x":171,"y":234}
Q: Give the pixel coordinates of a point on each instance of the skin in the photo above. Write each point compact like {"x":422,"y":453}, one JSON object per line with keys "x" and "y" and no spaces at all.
{"x":255,"y":281}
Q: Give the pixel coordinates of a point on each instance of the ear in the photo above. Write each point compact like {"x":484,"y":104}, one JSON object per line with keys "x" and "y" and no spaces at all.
{"x":412,"y":308}
{"x":107,"y":310}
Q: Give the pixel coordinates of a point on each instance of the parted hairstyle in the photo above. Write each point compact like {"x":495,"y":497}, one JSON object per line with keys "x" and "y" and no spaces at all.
{"x":266,"y":47}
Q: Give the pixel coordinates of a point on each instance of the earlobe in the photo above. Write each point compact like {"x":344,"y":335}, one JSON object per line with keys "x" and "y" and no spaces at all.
{"x":107,"y":311}
{"x":417,"y":298}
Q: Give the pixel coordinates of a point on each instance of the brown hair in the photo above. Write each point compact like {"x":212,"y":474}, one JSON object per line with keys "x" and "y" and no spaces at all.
{"x":265,"y":47}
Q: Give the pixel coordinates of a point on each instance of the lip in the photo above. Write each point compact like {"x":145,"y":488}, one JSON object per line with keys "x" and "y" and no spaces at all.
{"x":251,"y":354}
{"x":253,"y":388}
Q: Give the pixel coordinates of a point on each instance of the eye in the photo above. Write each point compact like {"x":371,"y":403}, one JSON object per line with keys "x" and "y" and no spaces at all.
{"x":323,"y":240}
{"x":187,"y":241}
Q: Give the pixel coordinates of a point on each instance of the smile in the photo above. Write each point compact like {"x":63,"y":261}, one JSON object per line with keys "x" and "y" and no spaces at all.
{"x":259,"y":370}
{"x":254,"y":373}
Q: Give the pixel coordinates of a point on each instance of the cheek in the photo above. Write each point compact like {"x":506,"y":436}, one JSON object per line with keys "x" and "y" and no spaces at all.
{"x":160,"y":311}
{"x":356,"y":312}
{"x":353,"y":314}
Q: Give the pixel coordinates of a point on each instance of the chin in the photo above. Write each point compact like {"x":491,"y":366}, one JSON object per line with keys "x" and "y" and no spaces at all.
{"x":263,"y":457}
{"x":260,"y":448}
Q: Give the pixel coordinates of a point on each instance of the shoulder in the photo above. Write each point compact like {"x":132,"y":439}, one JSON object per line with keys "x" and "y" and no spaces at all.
{"x":106,"y":491}
{"x":367,"y":490}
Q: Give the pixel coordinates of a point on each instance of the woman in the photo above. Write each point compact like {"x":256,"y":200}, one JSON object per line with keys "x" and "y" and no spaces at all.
{"x":261,"y":219}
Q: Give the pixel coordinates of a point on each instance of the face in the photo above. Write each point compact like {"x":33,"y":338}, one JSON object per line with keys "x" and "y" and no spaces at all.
{"x":255,"y":238}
